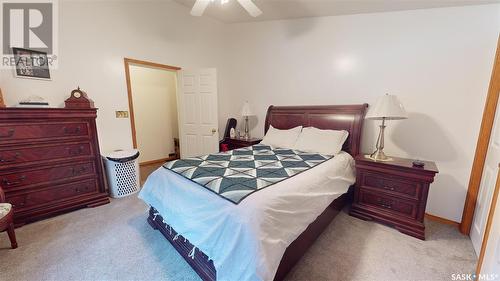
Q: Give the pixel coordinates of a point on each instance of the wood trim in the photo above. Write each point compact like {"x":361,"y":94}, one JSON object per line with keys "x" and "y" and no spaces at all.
{"x":152,"y":64}
{"x":482,"y":146}
{"x":130,"y":103}
{"x":162,"y":160}
{"x":127,"y":62}
{"x":488,"y":225}
{"x":441,"y":220}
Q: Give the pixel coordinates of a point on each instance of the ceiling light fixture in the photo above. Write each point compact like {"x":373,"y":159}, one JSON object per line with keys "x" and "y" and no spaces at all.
{"x":200,"y":6}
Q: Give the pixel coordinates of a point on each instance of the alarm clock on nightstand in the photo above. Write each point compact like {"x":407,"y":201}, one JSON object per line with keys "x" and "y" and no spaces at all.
{"x":78,"y":99}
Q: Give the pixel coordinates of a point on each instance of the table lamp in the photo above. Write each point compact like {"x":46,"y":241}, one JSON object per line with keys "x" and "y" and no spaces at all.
{"x":245,"y":112}
{"x":387,"y":107}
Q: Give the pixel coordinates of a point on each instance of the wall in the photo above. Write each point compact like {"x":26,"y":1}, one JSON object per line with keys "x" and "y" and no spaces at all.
{"x":155,"y":111}
{"x":94,"y":37}
{"x":437,"y":61}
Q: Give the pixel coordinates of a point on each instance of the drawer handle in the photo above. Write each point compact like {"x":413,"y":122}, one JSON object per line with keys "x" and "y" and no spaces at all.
{"x":70,"y":131}
{"x":9,"y":160}
{"x":75,"y":151}
{"x":389,"y":188}
{"x":9,"y":134}
{"x":384,"y":204}
{"x":81,"y":188}
{"x":18,"y":181}
{"x":77,"y":172}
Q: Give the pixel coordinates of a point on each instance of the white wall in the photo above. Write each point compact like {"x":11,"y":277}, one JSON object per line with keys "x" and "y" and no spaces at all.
{"x":437,"y":61}
{"x":95,"y":36}
{"x":155,"y":111}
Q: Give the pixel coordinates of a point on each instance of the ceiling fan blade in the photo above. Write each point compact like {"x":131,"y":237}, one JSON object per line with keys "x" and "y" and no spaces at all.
{"x":251,"y":8}
{"x":199,"y":7}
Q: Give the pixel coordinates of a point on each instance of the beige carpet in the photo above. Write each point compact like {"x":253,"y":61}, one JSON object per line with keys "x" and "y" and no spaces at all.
{"x":114,"y":242}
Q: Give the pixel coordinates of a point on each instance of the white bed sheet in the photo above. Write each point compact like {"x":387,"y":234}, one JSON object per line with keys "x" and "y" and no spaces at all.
{"x":247,"y":241}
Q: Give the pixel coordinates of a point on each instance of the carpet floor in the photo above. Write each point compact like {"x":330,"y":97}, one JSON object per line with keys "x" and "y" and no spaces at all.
{"x":114,"y":242}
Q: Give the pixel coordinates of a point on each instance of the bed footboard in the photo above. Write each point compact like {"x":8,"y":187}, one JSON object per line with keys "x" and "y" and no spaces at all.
{"x":204,"y":267}
{"x":195,"y":258}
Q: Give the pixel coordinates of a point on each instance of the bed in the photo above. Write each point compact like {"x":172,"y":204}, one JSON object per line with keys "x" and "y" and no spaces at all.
{"x":215,"y":236}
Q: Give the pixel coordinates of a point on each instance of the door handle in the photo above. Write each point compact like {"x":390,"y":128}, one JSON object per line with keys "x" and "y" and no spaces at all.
{"x":214,"y":131}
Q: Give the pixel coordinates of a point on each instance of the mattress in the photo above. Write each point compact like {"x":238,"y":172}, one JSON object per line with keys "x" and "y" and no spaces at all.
{"x":247,"y":241}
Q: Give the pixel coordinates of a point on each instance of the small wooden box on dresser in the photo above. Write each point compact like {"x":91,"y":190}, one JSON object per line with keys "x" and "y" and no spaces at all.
{"x":393,"y":192}
{"x":50,"y":161}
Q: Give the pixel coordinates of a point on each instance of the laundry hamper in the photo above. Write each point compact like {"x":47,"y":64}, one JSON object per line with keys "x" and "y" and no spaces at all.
{"x":122,"y":171}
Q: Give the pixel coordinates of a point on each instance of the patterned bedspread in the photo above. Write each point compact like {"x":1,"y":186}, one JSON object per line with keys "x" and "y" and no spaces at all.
{"x":236,"y":174}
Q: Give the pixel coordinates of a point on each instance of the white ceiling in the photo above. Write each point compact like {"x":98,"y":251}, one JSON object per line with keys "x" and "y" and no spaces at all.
{"x":232,"y":12}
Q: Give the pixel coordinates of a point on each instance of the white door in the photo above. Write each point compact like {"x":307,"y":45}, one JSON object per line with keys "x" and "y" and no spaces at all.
{"x":197,"y":107}
{"x":491,"y":262}
{"x":487,"y":187}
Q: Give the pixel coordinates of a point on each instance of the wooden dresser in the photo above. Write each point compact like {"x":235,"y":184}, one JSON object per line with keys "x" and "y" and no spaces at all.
{"x":50,"y":161}
{"x":393,"y":193}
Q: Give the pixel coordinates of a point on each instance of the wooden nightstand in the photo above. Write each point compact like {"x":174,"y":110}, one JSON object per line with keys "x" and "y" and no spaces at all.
{"x":239,"y":143}
{"x":393,"y":192}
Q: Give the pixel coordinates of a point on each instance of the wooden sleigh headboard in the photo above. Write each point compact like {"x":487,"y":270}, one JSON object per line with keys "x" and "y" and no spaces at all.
{"x":333,"y":117}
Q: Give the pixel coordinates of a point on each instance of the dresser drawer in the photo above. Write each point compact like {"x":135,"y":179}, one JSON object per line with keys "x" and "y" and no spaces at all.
{"x":388,"y":203}
{"x":41,"y":153}
{"x":51,"y":195}
{"x":33,"y":131}
{"x":20,"y":179}
{"x":402,"y":187}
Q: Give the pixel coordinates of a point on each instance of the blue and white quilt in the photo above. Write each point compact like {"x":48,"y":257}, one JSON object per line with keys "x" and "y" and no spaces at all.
{"x":236,"y":174}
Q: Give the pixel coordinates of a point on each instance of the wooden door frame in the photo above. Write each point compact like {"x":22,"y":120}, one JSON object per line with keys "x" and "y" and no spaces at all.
{"x":483,"y":141}
{"x":127,"y":62}
{"x":487,"y":230}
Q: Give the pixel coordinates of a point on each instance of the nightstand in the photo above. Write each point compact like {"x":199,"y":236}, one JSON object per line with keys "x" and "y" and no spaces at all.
{"x":393,"y":193}
{"x":239,"y":143}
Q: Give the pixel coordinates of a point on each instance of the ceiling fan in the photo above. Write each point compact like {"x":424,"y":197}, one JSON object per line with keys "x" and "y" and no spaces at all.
{"x":200,"y":6}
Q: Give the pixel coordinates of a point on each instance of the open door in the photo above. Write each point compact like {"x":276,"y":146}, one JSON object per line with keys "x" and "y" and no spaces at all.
{"x":197,"y":107}
{"x":487,"y":186}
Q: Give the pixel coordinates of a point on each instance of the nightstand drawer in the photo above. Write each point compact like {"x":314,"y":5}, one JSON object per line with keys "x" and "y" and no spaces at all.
{"x":406,"y":188}
{"x":388,"y":203}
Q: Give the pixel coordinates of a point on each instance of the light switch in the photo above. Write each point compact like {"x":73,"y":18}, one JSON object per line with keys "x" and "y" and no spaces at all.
{"x":121,"y":114}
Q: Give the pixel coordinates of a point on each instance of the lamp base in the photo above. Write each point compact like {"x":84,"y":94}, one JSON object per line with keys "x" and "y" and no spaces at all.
{"x":379,"y":155}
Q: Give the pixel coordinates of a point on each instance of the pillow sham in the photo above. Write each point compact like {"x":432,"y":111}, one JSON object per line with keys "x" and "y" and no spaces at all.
{"x":327,"y":142}
{"x":281,"y":138}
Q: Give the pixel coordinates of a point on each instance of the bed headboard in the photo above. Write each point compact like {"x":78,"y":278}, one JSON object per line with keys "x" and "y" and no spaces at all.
{"x":333,"y":117}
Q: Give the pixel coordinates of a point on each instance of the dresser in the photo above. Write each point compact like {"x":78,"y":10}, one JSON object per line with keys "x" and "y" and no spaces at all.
{"x":393,"y":193}
{"x":50,"y":161}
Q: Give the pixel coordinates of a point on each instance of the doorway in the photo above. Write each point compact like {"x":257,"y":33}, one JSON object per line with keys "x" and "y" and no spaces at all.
{"x":152,"y":96}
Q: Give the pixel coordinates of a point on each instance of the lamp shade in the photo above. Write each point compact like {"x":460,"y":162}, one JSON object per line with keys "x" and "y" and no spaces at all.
{"x":246,"y":110}
{"x":387,"y":107}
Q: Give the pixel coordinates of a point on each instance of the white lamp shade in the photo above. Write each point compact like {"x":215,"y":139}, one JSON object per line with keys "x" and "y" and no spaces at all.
{"x":246,"y":110}
{"x":388,"y":107}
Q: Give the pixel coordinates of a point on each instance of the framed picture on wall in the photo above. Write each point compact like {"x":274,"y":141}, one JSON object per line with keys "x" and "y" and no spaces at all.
{"x":31,"y":64}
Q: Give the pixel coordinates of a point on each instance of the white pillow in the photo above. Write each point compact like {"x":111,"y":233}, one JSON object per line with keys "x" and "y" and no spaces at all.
{"x":281,"y":138}
{"x":327,"y":142}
